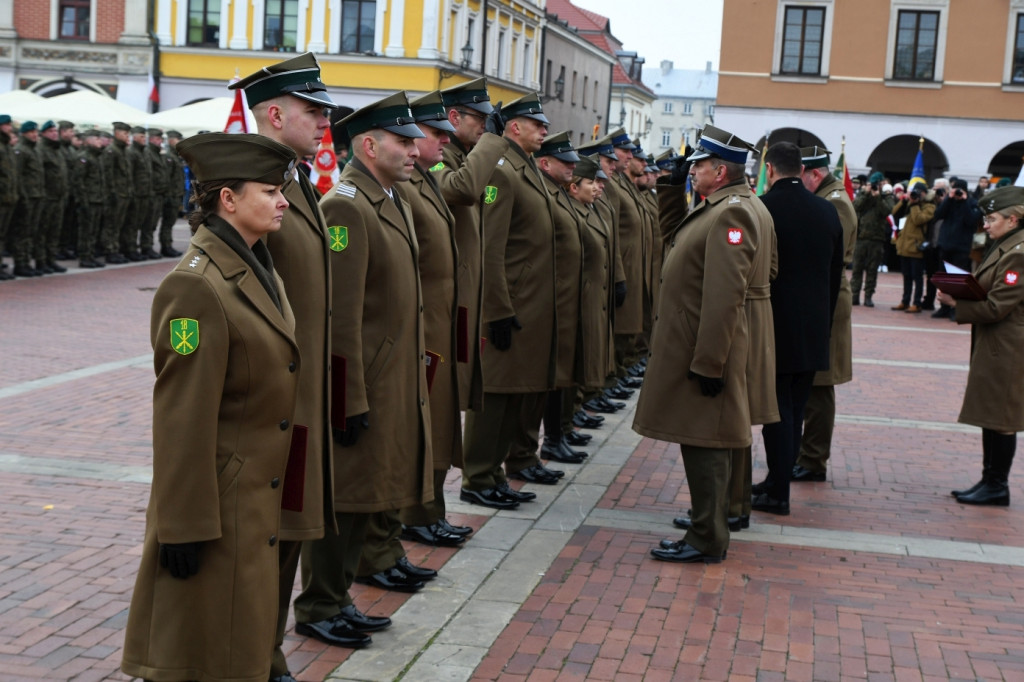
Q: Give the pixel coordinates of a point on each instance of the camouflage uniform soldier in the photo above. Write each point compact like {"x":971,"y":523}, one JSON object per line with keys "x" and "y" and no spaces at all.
{"x":69,"y":227}
{"x":31,"y":193}
{"x":158,"y":190}
{"x":92,"y":194}
{"x":8,"y":186}
{"x":121,"y":238}
{"x":173,"y":197}
{"x":55,"y":179}
{"x":142,"y":188}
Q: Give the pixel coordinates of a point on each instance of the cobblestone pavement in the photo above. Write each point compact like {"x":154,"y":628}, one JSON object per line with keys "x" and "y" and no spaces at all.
{"x":877,"y":574}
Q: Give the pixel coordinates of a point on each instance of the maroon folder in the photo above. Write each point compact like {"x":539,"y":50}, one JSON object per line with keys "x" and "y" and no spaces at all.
{"x":295,"y":472}
{"x":959,"y":286}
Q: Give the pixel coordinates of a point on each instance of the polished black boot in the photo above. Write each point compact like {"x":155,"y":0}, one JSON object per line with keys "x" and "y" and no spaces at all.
{"x":986,"y":464}
{"x":995,"y":491}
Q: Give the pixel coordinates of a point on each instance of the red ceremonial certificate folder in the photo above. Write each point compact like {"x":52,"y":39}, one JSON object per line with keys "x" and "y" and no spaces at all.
{"x":433,"y":360}
{"x":962,"y":286}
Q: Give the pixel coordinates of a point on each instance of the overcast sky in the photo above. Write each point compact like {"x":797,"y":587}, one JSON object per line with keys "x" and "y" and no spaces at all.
{"x":688,"y":32}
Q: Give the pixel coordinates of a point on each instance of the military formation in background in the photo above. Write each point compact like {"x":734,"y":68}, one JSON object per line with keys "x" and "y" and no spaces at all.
{"x":94,"y":196}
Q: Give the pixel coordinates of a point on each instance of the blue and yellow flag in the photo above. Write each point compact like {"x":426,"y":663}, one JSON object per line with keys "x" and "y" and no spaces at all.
{"x":917,"y":174}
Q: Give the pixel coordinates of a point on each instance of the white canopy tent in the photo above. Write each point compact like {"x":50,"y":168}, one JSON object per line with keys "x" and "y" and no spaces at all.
{"x":211,"y":115}
{"x":85,"y":108}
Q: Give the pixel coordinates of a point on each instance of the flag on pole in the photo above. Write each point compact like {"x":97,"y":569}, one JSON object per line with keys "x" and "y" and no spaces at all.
{"x":236,"y":119}
{"x":325,"y":172}
{"x":762,"y":177}
{"x":842,"y":172}
{"x":917,"y":174}
{"x":154,"y":94}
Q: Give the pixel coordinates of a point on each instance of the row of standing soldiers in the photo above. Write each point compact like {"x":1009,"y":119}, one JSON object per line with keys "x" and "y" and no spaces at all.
{"x":90,"y":195}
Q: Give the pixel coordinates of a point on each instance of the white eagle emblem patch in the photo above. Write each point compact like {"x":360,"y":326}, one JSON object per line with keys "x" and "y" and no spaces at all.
{"x":735,"y":235}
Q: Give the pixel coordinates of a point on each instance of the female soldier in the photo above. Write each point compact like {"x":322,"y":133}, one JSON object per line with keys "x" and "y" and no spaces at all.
{"x":205,"y":603}
{"x":992,"y":400}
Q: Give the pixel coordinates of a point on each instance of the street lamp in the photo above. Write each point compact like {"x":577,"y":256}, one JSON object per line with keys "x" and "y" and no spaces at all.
{"x":467,"y":59}
{"x":559,"y":90}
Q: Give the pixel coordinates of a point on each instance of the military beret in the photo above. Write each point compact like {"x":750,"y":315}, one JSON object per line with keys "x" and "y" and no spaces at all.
{"x":527,"y":106}
{"x":120,"y":125}
{"x":154,"y":132}
{"x":138,"y":130}
{"x":4,"y":119}
{"x":175,"y":134}
{"x":391,"y":113}
{"x":472,"y":95}
{"x":298,"y":76}
{"x":620,"y":140}
{"x":588,"y":168}
{"x":876,"y":177}
{"x":65,"y":125}
{"x":237,"y":156}
{"x":46,"y":126}
{"x":558,"y":146}
{"x":1002,"y":198}
{"x":721,"y":144}
{"x":429,"y":110}
{"x":29,"y":126}
{"x":814,"y":157}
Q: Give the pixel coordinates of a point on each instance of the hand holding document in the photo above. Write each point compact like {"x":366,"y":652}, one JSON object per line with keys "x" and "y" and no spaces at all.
{"x":958,"y":283}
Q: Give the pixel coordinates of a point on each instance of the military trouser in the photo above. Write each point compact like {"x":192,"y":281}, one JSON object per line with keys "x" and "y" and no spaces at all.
{"x":114,"y":234}
{"x":522,"y":454}
{"x":819,"y":422}
{"x":109,"y":229}
{"x":381,"y":548}
{"x":289,"y":552}
{"x":570,"y":400}
{"x":431,"y":512}
{"x":48,"y":235}
{"x":707,"y":475}
{"x":128,"y":240}
{"x":90,"y":216}
{"x":69,"y":229}
{"x":6,"y":213}
{"x":329,"y":568}
{"x":740,"y":472}
{"x":146,"y":216}
{"x":867,"y":257}
{"x":625,"y":353}
{"x":22,"y":232}
{"x":488,"y":437}
{"x":168,"y":216}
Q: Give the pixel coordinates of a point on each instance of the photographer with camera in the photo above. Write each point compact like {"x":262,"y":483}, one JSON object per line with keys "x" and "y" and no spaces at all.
{"x":873,"y":208}
{"x":960,"y":217}
{"x":918,"y":206}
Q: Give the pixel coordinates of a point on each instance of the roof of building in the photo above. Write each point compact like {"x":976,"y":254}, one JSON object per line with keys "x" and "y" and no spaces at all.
{"x":671,"y":82}
{"x":579,"y":18}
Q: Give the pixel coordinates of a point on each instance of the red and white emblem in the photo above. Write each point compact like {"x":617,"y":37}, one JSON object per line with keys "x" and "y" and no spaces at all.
{"x":735,"y":235}
{"x":1011,"y":277}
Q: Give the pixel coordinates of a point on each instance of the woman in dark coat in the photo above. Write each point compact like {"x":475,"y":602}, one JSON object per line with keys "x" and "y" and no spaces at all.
{"x":227,"y":368}
{"x":993,"y":400}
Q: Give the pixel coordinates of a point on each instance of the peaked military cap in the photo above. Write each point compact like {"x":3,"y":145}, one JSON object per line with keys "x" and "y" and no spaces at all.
{"x":814,"y":157}
{"x":237,"y":156}
{"x":429,"y":110}
{"x":651,"y":167}
{"x":472,"y":95}
{"x":391,"y":113}
{"x":1002,"y":198}
{"x":620,"y":140}
{"x":91,"y":132}
{"x":602,"y":147}
{"x":638,"y":151}
{"x":154,"y":132}
{"x":558,"y":146}
{"x":65,"y":125}
{"x":29,"y":126}
{"x":138,"y":130}
{"x":175,"y":134}
{"x":46,"y":126}
{"x":106,"y":134}
{"x":528,"y":106}
{"x":588,"y":168}
{"x":120,"y":125}
{"x":721,"y":144}
{"x":665,"y":160}
{"x":299,"y":76}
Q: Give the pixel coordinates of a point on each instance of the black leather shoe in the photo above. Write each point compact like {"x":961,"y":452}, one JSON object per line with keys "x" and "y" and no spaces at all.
{"x":151,"y":254}
{"x":134,"y":256}
{"x":616,"y":406}
{"x":594,"y":405}
{"x":561,"y":454}
{"x":88,"y":263}
{"x":804,"y":474}
{"x":585,"y":421}
{"x":418,"y":572}
{"x":766,"y":503}
{"x":592,"y":417}
{"x":360,"y":622}
{"x":736,"y":523}
{"x":618,"y":393}
{"x":518,"y":495}
{"x":636,"y":371}
{"x":568,"y":451}
{"x":431,"y":535}
{"x":684,"y":554}
{"x":491,"y":497}
{"x":967,"y":491}
{"x":551,"y":472}
{"x":759,"y":488}
{"x":535,"y":474}
{"x":335,"y":631}
{"x":462,"y":531}
{"x":630,"y":382}
{"x":25,"y":271}
{"x":287,"y":677}
{"x":391,"y":579}
{"x":44,"y":268}
{"x":170,"y":252}
{"x":991,"y":493}
{"x":56,"y":268}
{"x":868,"y":303}
{"x":577,"y":438}
{"x":114,"y":258}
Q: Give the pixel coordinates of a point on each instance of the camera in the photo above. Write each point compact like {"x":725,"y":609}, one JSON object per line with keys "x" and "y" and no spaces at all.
{"x":874,"y":187}
{"x":924,"y":246}
{"x":959,"y":194}
{"x":915,"y":194}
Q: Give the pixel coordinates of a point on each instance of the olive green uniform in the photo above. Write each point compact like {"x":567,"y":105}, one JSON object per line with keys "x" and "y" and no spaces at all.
{"x":91,"y":186}
{"x":171,"y":205}
{"x":31,"y":196}
{"x":8,"y":187}
{"x":55,"y":179}
{"x":120,"y":179}
{"x":159,"y":181}
{"x":142,"y":196}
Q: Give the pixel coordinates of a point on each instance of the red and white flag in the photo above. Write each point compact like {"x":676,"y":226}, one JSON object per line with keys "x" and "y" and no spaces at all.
{"x":236,"y":119}
{"x":325,"y":171}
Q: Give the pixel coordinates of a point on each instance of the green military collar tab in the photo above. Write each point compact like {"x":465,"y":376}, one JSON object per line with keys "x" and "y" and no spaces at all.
{"x":429,"y":110}
{"x":298,"y":76}
{"x":527,"y":106}
{"x":558,"y":146}
{"x":226,"y":156}
{"x":391,"y":113}
{"x":814,"y":157}
{"x":472,"y":95}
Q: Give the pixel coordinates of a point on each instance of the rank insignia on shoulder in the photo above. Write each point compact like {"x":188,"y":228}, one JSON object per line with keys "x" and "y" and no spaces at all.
{"x":346,"y":190}
{"x":436,"y":167}
{"x":490,"y":194}
{"x":835,"y":194}
{"x":501,"y":161}
{"x":194,"y":262}
{"x":735,"y":235}
{"x":734,"y":199}
{"x":339,"y":237}
{"x":184,"y":335}
{"x":1011,"y":277}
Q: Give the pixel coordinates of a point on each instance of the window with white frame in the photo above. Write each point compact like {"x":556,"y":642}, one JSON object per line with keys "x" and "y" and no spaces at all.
{"x":916,"y":47}
{"x":666,"y":137}
{"x":280,"y":25}
{"x":358,"y":22}
{"x":1017,"y":59}
{"x":667,"y":107}
{"x":687,"y":107}
{"x":802,"y":39}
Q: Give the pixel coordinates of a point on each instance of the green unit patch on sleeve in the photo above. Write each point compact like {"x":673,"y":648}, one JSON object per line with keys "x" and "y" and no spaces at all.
{"x":436,"y":167}
{"x":184,"y":335}
{"x":339,"y":237}
{"x":490,"y":194}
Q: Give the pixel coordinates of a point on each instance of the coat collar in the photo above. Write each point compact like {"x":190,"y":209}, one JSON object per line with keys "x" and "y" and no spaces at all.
{"x":524,"y":164}
{"x":297,"y":197}
{"x":422,"y":182}
{"x":1011,"y":243}
{"x":355,"y":173}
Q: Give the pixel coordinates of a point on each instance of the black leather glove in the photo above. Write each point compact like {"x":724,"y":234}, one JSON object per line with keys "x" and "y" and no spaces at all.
{"x":620,"y":294}
{"x":501,"y":332}
{"x":709,"y":386}
{"x":353,"y":425}
{"x":495,"y":123}
{"x":182,"y":560}
{"x":681,"y":168}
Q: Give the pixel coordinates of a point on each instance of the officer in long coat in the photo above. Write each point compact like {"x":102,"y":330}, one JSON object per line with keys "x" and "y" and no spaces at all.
{"x":695,"y":390}
{"x":222,"y":335}
{"x":301,"y":251}
{"x":629,"y":316}
{"x":820,"y":412}
{"x":382,"y":441}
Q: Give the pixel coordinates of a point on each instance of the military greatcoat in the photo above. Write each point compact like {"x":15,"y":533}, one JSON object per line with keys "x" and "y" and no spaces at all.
{"x":378,"y":353}
{"x":840,"y":351}
{"x":629,"y":316}
{"x":227,"y":372}
{"x":568,"y":284}
{"x":597,"y":297}
{"x":700,"y":325}
{"x":463,"y":177}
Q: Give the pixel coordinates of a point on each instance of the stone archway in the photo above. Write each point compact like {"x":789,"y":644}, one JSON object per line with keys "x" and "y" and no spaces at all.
{"x":894,"y":157}
{"x":1007,"y":161}
{"x":62,"y":86}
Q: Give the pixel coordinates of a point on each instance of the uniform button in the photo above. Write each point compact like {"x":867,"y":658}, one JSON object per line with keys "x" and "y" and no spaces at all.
{"x":272,"y":541}
{"x":673,"y":243}
{"x":655,"y":318}
{"x":421,"y":309}
{"x":422,"y":401}
{"x":291,"y":366}
{"x":274,"y":482}
{"x":284,"y":424}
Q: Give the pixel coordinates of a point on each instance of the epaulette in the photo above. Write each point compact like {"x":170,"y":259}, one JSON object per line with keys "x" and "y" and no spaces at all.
{"x":346,"y":190}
